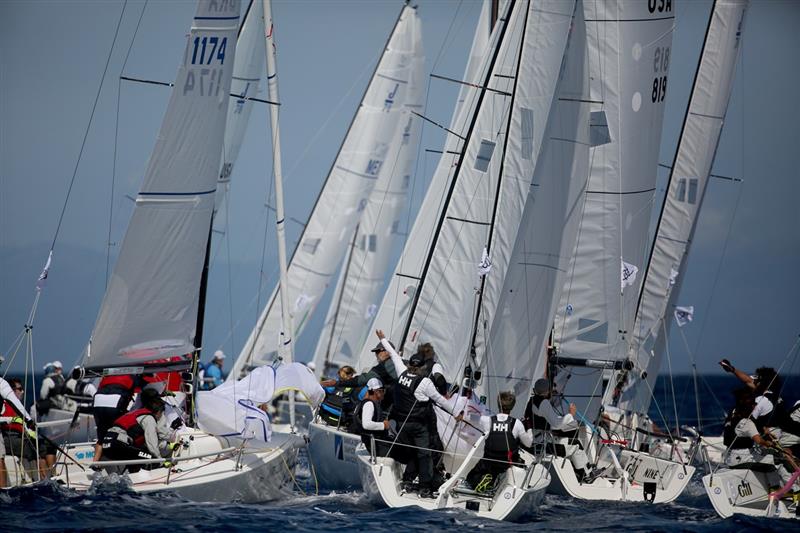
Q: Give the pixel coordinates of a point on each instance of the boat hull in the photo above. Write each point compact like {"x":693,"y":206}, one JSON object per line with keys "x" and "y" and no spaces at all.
{"x":741,"y":491}
{"x":667,"y":480}
{"x":332,"y":454}
{"x":261,"y":473}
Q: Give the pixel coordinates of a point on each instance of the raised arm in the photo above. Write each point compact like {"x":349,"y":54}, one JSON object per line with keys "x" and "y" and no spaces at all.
{"x":397,"y":361}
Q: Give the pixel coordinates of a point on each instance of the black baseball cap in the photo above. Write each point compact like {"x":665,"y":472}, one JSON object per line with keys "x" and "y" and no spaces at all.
{"x":416,"y":360}
{"x":379,"y":347}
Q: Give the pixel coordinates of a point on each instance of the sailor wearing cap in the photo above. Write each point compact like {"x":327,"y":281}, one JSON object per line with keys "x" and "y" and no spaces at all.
{"x":213,"y":376}
{"x":369,"y":421}
{"x":413,"y":395}
{"x":51,"y":393}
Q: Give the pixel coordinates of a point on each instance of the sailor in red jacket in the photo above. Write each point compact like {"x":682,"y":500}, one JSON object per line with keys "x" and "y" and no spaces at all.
{"x":19,"y":440}
{"x":134,"y":435}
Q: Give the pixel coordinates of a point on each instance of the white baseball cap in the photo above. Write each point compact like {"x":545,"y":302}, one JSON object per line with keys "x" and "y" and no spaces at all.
{"x":374,"y":384}
{"x":219,"y":354}
{"x":57,"y":364}
{"x":311,"y":365}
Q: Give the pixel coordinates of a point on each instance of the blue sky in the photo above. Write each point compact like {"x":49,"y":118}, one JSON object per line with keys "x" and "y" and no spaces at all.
{"x":742,"y":274}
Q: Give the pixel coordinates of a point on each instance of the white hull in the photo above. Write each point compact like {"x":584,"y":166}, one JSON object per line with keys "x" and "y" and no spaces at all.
{"x":740,"y":491}
{"x":517,"y":494}
{"x":668,"y":479}
{"x":263,"y":472}
{"x":332,"y":454}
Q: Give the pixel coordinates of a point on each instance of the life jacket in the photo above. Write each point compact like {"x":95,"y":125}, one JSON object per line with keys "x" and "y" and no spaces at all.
{"x":58,"y":388}
{"x":15,"y":424}
{"x":538,"y":422}
{"x":129,"y":423}
{"x":357,"y":427}
{"x":406,"y":406}
{"x":501,"y":444}
{"x":729,"y":437}
{"x":438,"y":380}
{"x":766,"y":420}
{"x":783,"y":418}
{"x":122,"y":384}
{"x":337,"y":399}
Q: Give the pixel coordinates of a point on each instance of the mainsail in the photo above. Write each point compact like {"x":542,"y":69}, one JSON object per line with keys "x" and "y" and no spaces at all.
{"x":629,"y":52}
{"x":546,"y":238}
{"x":150,"y":307}
{"x":485,"y":195}
{"x":688,"y":179}
{"x":361,"y":160}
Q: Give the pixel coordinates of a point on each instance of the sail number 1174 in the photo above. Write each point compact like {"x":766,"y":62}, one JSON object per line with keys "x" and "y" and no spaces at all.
{"x":206,"y":50}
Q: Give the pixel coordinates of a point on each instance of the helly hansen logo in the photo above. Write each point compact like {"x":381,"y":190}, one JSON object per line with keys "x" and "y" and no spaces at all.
{"x":405,"y":381}
{"x":500,"y":426}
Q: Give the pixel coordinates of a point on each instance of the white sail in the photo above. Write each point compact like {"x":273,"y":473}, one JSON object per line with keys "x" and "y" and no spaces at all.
{"x":629,"y":46}
{"x":484,"y":201}
{"x":393,"y":309}
{"x":344,"y":196}
{"x":363,"y":274}
{"x":697,"y":147}
{"x":248,"y":69}
{"x":151,"y":304}
{"x":547,"y":234}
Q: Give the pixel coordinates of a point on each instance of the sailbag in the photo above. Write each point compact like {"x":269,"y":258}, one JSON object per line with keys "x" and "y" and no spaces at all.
{"x":357,"y":168}
{"x":363,"y":273}
{"x":432,"y":296}
{"x":151,"y":305}
{"x":629,"y":52}
{"x":688,"y":180}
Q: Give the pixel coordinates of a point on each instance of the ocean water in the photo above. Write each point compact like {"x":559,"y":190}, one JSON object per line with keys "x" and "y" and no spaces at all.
{"x":51,"y":508}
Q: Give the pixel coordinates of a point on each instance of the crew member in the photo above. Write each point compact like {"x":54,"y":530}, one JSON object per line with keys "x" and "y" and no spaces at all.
{"x":542,"y":418}
{"x":740,"y":433}
{"x":20,"y":441}
{"x":134,"y":435}
{"x":340,"y":400}
{"x":501,"y":447}
{"x":213,"y":376}
{"x":384,"y":370}
{"x":78,"y":385}
{"x":435,"y":371}
{"x":51,"y":393}
{"x":414,"y":393}
{"x":111,"y":401}
{"x":766,"y":385}
{"x":368,"y":419}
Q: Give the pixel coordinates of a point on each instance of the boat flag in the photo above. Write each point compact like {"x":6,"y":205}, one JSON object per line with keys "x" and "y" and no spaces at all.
{"x":485,"y":266}
{"x":673,"y":276}
{"x":629,"y":272}
{"x":684,"y":315}
{"x":40,"y":283}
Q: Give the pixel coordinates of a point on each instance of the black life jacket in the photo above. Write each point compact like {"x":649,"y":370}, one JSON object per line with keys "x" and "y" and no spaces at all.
{"x":438,"y":380}
{"x":501,"y":444}
{"x":729,"y":437}
{"x":406,"y":406}
{"x":59,"y":387}
{"x":338,"y":400}
{"x":538,"y":422}
{"x":358,"y":428}
{"x":130,"y":424}
{"x":783,"y":418}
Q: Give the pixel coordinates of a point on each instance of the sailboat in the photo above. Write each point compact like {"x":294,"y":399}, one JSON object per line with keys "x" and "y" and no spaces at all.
{"x":528,"y":101}
{"x":150,"y":316}
{"x":629,"y":48}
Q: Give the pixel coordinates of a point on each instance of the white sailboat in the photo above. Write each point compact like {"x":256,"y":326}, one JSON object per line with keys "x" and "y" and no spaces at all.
{"x":535,"y":59}
{"x":361,"y":161}
{"x":629,"y":48}
{"x":149,"y":317}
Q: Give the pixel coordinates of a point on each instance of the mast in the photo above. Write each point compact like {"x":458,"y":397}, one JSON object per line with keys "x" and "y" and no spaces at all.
{"x":285,"y":347}
{"x":339,"y":300}
{"x":454,"y":181}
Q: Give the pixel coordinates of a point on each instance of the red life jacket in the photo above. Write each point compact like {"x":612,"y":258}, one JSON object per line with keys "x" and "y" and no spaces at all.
{"x":116,"y":384}
{"x":9,"y":412}
{"x":131,"y":426}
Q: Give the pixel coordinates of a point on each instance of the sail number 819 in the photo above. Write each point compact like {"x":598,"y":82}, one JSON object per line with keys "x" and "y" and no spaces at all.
{"x":209,"y":44}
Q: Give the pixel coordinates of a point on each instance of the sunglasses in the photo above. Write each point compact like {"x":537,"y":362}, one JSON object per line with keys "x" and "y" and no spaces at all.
{"x":18,"y":389}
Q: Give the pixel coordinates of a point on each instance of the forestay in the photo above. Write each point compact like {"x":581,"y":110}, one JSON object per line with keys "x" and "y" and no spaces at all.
{"x":363,"y":274}
{"x":485,"y":199}
{"x":392,"y":313}
{"x":248,"y":69}
{"x":547,"y":233}
{"x":151,"y":304}
{"x":629,"y":45}
{"x":688,"y":179}
{"x":357,"y":168}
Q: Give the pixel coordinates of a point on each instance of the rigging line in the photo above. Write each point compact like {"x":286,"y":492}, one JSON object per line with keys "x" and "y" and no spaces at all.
{"x":468,"y":84}
{"x":446,"y":35}
{"x":88,"y":128}
{"x":230,"y":273}
{"x":664,"y":421}
{"x":448,"y":130}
